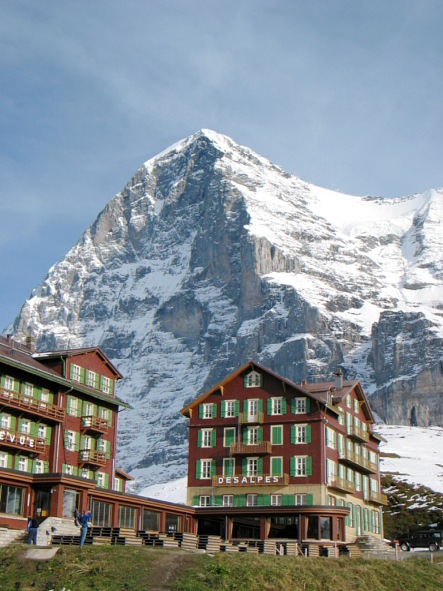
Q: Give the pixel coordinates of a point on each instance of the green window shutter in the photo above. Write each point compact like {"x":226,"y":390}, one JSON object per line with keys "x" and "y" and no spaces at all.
{"x":108,"y":450}
{"x":222,"y":409}
{"x":245,"y":406}
{"x":13,"y":423}
{"x":76,"y":441}
{"x":19,"y":424}
{"x":237,"y":408}
{"x":218,"y":500}
{"x":292,"y":466}
{"x":213,"y":468}
{"x":71,"y":371}
{"x":308,"y":405}
{"x":65,"y":438}
{"x":260,"y":405}
{"x":264,"y":500}
{"x":200,"y":411}
{"x":106,"y":480}
{"x":214,"y":411}
{"x":110,"y":414}
{"x":308,"y":433}
{"x":199,"y":438}
{"x":244,"y":467}
{"x":241,"y":500}
{"x":213,"y":437}
{"x":260,"y":435}
{"x":293,"y":406}
{"x":287,"y":500}
{"x":245,"y":436}
{"x":310,"y":499}
{"x":293,"y":433}
{"x":277,"y":435}
{"x":10,"y":461}
{"x":276,"y":466}
{"x":48,"y":435}
{"x":195,"y":500}
{"x":229,"y":436}
{"x":198,"y":469}
{"x":245,"y":381}
{"x":269,"y":406}
{"x":260,"y":466}
{"x":97,"y":381}
{"x":283,"y":406}
{"x":45,"y":467}
{"x":309,"y":466}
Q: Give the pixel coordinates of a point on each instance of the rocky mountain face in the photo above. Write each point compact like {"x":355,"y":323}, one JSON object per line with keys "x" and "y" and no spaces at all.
{"x":211,"y":255}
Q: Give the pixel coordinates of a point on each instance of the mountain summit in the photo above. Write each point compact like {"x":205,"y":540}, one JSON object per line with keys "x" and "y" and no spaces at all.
{"x":211,"y":255}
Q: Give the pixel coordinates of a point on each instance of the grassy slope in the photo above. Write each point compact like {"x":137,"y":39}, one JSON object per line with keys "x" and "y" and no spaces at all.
{"x":116,"y":568}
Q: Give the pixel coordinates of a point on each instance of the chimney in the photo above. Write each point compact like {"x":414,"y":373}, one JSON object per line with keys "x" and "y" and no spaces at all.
{"x":30,"y":343}
{"x":338,"y":379}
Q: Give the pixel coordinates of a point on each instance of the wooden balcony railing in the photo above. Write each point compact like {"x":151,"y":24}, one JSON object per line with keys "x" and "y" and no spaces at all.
{"x":357,"y":433}
{"x":347,"y":456}
{"x":342,"y":484}
{"x":92,"y":457}
{"x":92,"y":423}
{"x":244,"y":417}
{"x":375,"y":497}
{"x":31,"y":405}
{"x":251,"y":448}
{"x":24,"y":442}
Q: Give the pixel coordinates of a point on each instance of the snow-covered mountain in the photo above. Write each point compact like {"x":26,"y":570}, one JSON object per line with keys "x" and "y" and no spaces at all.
{"x":212,"y":255}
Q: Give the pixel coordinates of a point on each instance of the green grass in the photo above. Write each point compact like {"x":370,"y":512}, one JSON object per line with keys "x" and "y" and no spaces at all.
{"x":117,"y":568}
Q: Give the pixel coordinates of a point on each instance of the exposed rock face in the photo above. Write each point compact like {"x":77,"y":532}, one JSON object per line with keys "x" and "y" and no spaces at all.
{"x":210,"y":256}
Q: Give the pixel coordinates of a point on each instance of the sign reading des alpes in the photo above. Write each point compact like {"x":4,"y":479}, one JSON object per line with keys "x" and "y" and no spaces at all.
{"x":248,"y":480}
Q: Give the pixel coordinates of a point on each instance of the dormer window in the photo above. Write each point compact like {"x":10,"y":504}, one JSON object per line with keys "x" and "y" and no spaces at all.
{"x":90,"y":378}
{"x":253,"y":380}
{"x":75,"y":372}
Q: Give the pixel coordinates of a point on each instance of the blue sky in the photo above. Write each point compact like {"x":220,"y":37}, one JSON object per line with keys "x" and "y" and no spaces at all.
{"x":346,"y":94}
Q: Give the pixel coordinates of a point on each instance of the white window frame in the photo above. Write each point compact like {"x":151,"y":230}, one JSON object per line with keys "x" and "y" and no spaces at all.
{"x":9,"y":383}
{"x":208,"y":410}
{"x":85,"y":473}
{"x":5,"y":422}
{"x":76,"y":372}
{"x":39,"y":467}
{"x":301,"y":465}
{"x":101,"y":479}
{"x":106,"y":385}
{"x":101,"y":444}
{"x":331,"y":438}
{"x":204,"y":501}
{"x":69,"y":469}
{"x":253,"y":380}
{"x":300,"y":433}
{"x":228,"y":500}
{"x":276,"y":500}
{"x":90,"y":378}
{"x":28,"y":390}
{"x":252,"y":435}
{"x":300,"y":405}
{"x":230,"y":408}
{"x":70,"y":440}
{"x":205,"y":468}
{"x":300,"y":499}
{"x":251,"y":500}
{"x":277,"y":405}
{"x":228,"y":462}
{"x":22,"y":464}
{"x":42,"y":431}
{"x":252,"y":466}
{"x":3,"y":460}
{"x":73,"y":407}
{"x":206,"y":437}
{"x":25,"y":426}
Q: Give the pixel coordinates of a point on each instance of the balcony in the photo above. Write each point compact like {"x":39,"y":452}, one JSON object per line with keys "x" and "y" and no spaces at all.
{"x":350,"y":458}
{"x":375,"y":497}
{"x":357,"y":434}
{"x":342,"y":484}
{"x":262,"y":480}
{"x":92,"y":457}
{"x":22,"y":441}
{"x":31,"y":405}
{"x":244,"y":418}
{"x":251,"y":448}
{"x":94,"y":424}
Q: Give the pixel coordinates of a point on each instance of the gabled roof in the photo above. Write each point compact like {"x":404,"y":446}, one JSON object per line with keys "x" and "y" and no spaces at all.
{"x":252,"y":365}
{"x":123,"y":474}
{"x":67,"y":353}
{"x":338,"y":394}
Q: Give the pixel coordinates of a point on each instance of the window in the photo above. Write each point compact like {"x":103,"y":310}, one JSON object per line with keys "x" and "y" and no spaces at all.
{"x":44,"y":397}
{"x":251,"y":500}
{"x":228,"y":436}
{"x":230,"y":408}
{"x":28,"y":390}
{"x":300,"y":405}
{"x":69,"y":470}
{"x":300,"y":499}
{"x":251,"y":466}
{"x":42,"y":430}
{"x":101,"y":514}
{"x":88,"y":409}
{"x":25,"y":426}
{"x":206,"y":437}
{"x":204,"y":501}
{"x":205,"y":468}
{"x":252,"y":435}
{"x":301,"y":466}
{"x":276,"y":434}
{"x":151,"y":520}
{"x":348,"y":400}
{"x":3,"y":460}
{"x":72,"y":406}
{"x":70,"y":440}
{"x":228,"y":500}
{"x":253,"y":380}
{"x":38,"y":467}
{"x":332,"y":501}
{"x":76,"y":372}
{"x":208,"y":411}
{"x":341,"y":417}
{"x":105,"y":385}
{"x":11,"y":499}
{"x":331,"y":438}
{"x":85,"y":473}
{"x":5,"y":422}
{"x":228,"y":466}
{"x":252,"y":408}
{"x":300,"y":434}
{"x":22,"y":464}
{"x":87,"y":442}
{"x":90,"y":378}
{"x":357,"y":481}
{"x":276,"y":500}
{"x":276,"y":406}
{"x":9,"y":383}
{"x":276,"y":466}
{"x":100,"y":479}
{"x":101,"y":444}
{"x":104,"y":413}
{"x":356,"y":405}
{"x":118,"y":484}
{"x":127,"y":517}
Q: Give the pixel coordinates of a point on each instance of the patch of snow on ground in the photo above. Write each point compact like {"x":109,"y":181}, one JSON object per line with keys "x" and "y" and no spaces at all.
{"x":174,"y":491}
{"x":419,"y":448}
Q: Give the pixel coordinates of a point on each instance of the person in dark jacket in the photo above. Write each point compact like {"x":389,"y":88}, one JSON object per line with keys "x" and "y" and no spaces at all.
{"x":84,"y":522}
{"x":32,"y":529}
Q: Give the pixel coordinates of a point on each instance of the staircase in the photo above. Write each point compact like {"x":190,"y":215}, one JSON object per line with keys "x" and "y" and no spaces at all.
{"x":12,"y":536}
{"x":372,"y":547}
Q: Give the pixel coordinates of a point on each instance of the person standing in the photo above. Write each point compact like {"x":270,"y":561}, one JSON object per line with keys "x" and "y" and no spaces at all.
{"x":32,"y":529}
{"x":84,"y":523}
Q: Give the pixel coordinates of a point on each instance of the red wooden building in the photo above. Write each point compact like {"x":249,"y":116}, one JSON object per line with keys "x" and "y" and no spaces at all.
{"x":272,"y":459}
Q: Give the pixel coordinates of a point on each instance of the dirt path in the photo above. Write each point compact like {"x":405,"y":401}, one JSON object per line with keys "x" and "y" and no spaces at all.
{"x":169,"y":566}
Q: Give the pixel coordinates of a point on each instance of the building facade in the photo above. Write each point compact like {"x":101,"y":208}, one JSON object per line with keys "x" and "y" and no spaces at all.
{"x":272,"y":459}
{"x":58,"y":437}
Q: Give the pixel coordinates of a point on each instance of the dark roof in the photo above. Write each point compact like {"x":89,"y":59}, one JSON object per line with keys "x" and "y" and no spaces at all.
{"x":75,"y":352}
